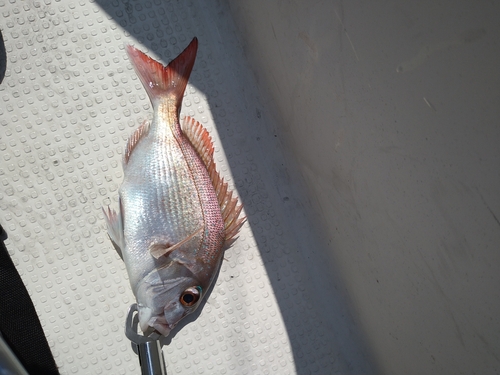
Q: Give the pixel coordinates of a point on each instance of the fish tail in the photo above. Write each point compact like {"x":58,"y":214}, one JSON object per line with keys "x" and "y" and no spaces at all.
{"x":159,"y":80}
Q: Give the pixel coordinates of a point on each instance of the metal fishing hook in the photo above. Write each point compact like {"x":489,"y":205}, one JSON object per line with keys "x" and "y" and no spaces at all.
{"x":149,"y":350}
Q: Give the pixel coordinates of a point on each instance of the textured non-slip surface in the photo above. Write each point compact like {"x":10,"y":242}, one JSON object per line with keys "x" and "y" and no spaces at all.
{"x":69,"y":101}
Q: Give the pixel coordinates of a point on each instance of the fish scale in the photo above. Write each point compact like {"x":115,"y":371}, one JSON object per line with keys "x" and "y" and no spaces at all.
{"x":169,"y":196}
{"x":212,"y":218}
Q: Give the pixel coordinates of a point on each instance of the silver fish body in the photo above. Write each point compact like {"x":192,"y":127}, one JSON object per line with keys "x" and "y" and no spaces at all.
{"x":176,"y":213}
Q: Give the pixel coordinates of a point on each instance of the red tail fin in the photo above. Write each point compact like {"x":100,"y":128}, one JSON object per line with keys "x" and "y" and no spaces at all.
{"x":159,"y":80}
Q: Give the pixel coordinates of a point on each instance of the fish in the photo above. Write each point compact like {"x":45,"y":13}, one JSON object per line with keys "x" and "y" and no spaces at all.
{"x":176,"y":213}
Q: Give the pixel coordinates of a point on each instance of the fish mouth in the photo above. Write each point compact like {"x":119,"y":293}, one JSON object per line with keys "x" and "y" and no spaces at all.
{"x":157,"y":322}
{"x":160,"y":324}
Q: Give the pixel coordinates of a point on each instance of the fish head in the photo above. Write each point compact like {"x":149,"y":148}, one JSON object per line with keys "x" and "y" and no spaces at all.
{"x":167,"y":295}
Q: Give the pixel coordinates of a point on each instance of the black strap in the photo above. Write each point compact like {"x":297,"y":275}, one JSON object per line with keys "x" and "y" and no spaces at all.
{"x":3,"y":58}
{"x":19,"y":322}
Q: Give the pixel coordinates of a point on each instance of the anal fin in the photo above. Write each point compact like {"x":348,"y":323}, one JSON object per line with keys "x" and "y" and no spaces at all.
{"x":134,"y":139}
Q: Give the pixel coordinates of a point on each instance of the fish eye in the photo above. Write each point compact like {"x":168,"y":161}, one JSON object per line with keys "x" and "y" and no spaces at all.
{"x":190,"y":296}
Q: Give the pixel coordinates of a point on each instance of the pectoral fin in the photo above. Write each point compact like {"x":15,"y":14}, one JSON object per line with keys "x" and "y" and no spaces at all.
{"x":159,"y":249}
{"x":114,"y":223}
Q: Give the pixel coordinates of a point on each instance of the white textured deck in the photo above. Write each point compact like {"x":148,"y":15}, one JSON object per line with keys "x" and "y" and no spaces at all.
{"x":69,"y":100}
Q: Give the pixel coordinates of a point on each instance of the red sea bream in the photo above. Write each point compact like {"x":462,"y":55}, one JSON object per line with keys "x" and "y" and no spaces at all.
{"x":176,"y":214}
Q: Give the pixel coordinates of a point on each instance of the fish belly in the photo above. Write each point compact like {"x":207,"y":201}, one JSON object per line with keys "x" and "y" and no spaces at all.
{"x":159,"y":202}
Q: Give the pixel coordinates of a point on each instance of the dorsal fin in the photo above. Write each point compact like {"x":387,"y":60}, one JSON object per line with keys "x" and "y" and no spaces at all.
{"x":134,"y":139}
{"x":202,"y":142}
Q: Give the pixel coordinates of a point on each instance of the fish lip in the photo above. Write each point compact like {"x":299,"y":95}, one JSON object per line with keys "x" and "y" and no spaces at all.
{"x":160,"y":324}
{"x":157,"y":322}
